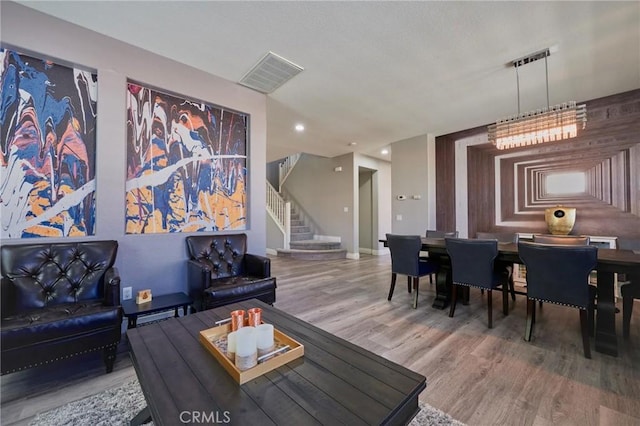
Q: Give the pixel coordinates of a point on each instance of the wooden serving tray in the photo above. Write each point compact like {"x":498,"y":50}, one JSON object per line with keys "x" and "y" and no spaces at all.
{"x":210,"y":335}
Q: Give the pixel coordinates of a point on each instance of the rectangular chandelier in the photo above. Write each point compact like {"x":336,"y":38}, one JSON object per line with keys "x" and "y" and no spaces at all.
{"x":554,"y":123}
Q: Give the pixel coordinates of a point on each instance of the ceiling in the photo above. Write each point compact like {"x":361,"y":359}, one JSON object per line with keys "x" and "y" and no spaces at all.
{"x":380,"y":72}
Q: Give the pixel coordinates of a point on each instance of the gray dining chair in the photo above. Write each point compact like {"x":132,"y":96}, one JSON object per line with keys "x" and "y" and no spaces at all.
{"x":472,"y":265}
{"x":630,"y":289}
{"x":405,"y":260}
{"x":559,"y":274}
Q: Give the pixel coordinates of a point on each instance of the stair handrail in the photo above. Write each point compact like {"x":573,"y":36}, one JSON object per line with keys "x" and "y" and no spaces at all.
{"x":286,"y":166}
{"x":280,"y":211}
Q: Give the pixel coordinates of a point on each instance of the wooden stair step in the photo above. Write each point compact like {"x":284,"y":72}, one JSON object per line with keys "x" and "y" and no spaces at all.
{"x":314,"y":245}
{"x":313,"y":254}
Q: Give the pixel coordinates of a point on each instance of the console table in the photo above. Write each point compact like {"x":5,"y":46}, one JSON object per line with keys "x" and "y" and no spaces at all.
{"x":165,"y":302}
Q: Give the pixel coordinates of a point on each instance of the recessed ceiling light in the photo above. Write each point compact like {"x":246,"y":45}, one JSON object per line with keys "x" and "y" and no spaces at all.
{"x":299,"y":127}
{"x":384,"y":151}
{"x":353,"y":143}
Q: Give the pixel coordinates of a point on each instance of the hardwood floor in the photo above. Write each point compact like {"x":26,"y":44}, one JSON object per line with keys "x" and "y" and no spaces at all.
{"x":479,"y":376}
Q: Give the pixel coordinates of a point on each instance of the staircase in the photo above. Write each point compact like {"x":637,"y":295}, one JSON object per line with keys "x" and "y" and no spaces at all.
{"x":299,"y":241}
{"x":303,"y":246}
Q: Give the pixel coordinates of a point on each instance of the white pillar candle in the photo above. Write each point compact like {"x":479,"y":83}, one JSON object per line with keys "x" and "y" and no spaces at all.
{"x":246,"y":348}
{"x":231,"y":345}
{"x":265,"y":341}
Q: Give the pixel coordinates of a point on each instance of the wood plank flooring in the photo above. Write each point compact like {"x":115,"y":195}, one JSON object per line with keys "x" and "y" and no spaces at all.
{"x":479,"y":376}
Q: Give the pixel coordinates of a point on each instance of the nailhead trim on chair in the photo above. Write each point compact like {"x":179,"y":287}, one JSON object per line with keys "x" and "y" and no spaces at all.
{"x":58,"y":359}
{"x":475,"y":285}
{"x":557,"y":303}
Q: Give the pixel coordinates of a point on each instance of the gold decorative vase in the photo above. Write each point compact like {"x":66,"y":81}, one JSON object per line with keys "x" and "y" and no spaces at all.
{"x":560,"y":220}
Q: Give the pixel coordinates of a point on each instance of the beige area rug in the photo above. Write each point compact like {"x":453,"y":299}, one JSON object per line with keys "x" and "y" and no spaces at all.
{"x":119,"y":405}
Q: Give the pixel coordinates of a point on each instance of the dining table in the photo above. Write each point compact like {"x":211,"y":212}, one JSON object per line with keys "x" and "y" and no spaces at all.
{"x":610,"y":262}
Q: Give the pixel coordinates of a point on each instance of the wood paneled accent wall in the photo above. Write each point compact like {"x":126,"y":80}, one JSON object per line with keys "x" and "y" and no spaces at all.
{"x":607,"y":152}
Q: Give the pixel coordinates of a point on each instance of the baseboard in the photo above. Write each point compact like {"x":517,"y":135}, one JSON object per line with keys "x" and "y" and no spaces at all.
{"x":353,"y":256}
{"x":373,"y":252}
{"x":271,"y":252}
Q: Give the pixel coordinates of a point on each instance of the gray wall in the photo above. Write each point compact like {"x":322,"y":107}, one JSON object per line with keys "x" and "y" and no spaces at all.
{"x":275,"y":237}
{"x":365,"y":199}
{"x":323,"y":194}
{"x":410,"y":177}
{"x":380,"y":199}
{"x":144,"y":261}
{"x":273,"y":173}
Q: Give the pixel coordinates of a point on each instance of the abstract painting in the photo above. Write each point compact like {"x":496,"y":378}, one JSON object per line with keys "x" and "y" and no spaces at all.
{"x":47,"y":148}
{"x":186,"y":164}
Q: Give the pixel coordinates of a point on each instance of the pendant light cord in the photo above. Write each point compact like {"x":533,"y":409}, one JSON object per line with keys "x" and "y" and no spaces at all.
{"x":518,"y":87}
{"x":546,"y":71}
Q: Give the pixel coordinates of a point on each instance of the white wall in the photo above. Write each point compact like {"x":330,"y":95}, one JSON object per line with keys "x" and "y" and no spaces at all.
{"x":144,"y":261}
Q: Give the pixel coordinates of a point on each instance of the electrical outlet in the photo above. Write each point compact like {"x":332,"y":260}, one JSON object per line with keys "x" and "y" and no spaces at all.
{"x":127,"y":293}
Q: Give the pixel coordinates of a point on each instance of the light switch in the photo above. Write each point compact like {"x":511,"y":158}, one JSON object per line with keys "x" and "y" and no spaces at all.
{"x":398,"y":217}
{"x":346,"y":209}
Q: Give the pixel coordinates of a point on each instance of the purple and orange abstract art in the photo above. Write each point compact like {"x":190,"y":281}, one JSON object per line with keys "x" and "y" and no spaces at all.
{"x":186,"y":164}
{"x":47,"y":148}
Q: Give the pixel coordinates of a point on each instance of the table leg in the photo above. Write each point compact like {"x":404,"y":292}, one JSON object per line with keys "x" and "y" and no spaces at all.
{"x":606,"y":340}
{"x":176,"y":313}
{"x":443,"y":285}
{"x":132,"y":321}
{"x":144,"y":416}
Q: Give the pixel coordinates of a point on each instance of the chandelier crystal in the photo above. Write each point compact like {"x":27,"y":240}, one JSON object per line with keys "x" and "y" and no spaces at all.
{"x":548,"y":124}
{"x":556,"y":123}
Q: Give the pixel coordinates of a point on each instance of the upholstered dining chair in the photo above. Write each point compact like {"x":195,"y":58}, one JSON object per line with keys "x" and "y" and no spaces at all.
{"x":560,"y":274}
{"x":432,"y":233}
{"x":631,"y":288}
{"x":405,"y":260}
{"x":472,"y":265}
{"x":565,"y":240}
{"x":503,"y":237}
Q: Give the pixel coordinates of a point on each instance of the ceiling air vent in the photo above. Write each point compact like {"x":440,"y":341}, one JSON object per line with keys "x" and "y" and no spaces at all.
{"x":271,"y":72}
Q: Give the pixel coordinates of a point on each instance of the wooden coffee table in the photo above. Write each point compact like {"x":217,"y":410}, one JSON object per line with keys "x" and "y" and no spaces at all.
{"x":335,"y":382}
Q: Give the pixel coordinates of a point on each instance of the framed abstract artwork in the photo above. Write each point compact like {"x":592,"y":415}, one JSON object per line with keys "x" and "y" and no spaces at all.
{"x":186,"y":164}
{"x":47,"y":148}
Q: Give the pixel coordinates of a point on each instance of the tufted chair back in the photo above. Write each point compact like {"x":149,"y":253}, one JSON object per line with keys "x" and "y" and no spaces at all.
{"x":224,"y":254}
{"x":41,"y":275}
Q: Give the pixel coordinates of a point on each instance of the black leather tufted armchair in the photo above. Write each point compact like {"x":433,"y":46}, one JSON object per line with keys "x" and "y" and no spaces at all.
{"x":59,"y":300}
{"x":220,"y":271}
